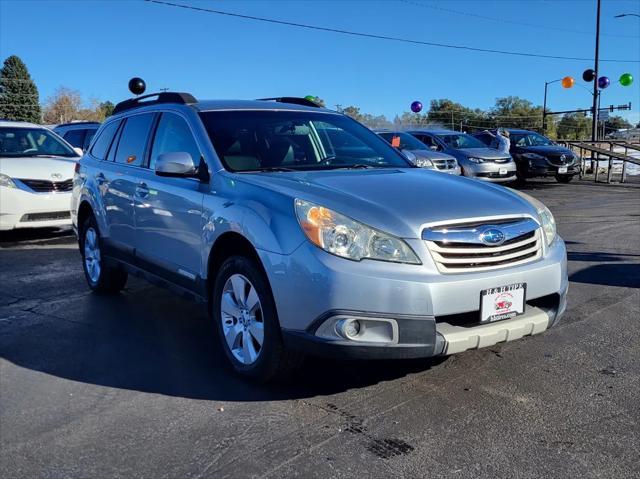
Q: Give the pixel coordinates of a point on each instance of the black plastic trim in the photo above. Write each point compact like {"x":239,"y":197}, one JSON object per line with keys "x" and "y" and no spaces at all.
{"x":164,"y":97}
{"x":292,"y":100}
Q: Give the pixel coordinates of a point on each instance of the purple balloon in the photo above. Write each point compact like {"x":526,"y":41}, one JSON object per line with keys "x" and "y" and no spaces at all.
{"x":603,"y":82}
{"x":416,"y":107}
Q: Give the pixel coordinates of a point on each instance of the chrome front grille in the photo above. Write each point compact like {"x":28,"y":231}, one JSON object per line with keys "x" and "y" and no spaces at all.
{"x":459,"y":248}
{"x":444,"y":164}
{"x":46,"y":186}
{"x":560,"y":160}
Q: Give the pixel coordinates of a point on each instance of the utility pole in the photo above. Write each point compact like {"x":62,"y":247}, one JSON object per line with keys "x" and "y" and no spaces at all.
{"x":594,"y":119}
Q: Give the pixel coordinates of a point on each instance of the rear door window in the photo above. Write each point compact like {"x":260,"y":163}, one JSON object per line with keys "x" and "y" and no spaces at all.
{"x":103,"y":142}
{"x":133,"y":139}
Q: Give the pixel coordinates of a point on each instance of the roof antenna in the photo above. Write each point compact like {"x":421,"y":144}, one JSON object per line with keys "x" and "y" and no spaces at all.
{"x":137,"y":86}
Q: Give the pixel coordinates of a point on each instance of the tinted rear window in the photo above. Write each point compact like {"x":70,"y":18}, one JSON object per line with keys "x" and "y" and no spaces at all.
{"x":75,"y":137}
{"x":134,"y":139}
{"x":103,"y":142}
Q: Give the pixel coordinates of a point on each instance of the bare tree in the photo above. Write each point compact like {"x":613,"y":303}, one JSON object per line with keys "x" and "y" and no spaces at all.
{"x":66,"y":105}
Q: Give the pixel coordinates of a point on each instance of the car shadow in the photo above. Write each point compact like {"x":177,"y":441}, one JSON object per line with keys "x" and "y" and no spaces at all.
{"x":599,"y":257}
{"x":626,"y":275}
{"x":153,"y":342}
{"x":46,"y":235}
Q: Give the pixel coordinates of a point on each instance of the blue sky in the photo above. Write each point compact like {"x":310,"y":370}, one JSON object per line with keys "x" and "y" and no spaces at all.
{"x":96,"y":46}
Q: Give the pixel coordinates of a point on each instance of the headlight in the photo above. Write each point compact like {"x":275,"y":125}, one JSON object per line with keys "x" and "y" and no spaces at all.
{"x":410,"y":156}
{"x":547,"y":221}
{"x":424,"y":163}
{"x":475,"y":160}
{"x":6,"y":181}
{"x":532,"y":156}
{"x":342,"y":236}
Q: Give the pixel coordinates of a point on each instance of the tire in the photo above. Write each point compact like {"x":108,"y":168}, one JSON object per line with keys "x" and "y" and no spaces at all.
{"x":521,"y":178}
{"x":564,"y":178}
{"x":243,"y":310}
{"x":100,"y":277}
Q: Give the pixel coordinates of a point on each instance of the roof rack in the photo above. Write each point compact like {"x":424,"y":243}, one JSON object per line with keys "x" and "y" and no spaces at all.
{"x":292,"y":100}
{"x":79,"y":122}
{"x":164,"y":97}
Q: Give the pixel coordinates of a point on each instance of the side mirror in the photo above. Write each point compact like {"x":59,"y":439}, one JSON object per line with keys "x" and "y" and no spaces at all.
{"x":79,"y":151}
{"x":177,"y":163}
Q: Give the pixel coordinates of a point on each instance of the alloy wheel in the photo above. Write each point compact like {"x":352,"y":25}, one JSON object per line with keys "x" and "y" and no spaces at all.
{"x":92,"y":254}
{"x":242,"y":319}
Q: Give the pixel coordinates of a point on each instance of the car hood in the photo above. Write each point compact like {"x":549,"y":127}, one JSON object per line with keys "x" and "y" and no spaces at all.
{"x":546,"y":150}
{"x":38,"y":168}
{"x":485,"y":153}
{"x":398,"y":201}
{"x":431,"y":155}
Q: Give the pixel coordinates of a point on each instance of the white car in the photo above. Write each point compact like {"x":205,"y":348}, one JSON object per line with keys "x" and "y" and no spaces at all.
{"x":36,"y":176}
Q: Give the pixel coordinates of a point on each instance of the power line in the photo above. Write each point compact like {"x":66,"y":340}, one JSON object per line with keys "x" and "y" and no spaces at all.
{"x":514,"y":22}
{"x":379,"y":37}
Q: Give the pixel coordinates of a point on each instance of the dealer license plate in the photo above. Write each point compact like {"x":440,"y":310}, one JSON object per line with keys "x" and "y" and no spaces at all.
{"x":562,"y":169}
{"x":503,"y":302}
{"x":503,"y":171}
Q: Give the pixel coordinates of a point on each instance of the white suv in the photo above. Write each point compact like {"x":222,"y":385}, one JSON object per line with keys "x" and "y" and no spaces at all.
{"x":36,"y":176}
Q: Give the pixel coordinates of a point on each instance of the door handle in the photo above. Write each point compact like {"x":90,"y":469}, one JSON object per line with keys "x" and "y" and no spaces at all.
{"x":142,"y":190}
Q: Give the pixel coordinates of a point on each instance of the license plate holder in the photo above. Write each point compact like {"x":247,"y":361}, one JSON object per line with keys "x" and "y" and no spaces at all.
{"x":562,"y":169}
{"x":502,"y":302}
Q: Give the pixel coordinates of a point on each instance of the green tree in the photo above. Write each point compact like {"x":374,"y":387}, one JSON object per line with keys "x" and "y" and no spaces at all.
{"x":372,"y":121}
{"x":19,"y":97}
{"x":616,"y":123}
{"x":516,"y":112}
{"x":454,"y":115}
{"x":106,"y":108}
{"x":574,"y":126}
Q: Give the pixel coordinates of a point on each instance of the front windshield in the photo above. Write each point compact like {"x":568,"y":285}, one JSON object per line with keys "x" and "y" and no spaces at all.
{"x":530,"y":139}
{"x":295,"y":140}
{"x":32,"y":142}
{"x":404,"y":141}
{"x":461,"y":140}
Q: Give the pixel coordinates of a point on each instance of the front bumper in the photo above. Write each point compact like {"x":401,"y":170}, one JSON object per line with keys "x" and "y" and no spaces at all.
{"x":537,"y":169}
{"x":491,"y":172}
{"x":451,"y":171}
{"x":434,"y":314}
{"x":23,"y":209}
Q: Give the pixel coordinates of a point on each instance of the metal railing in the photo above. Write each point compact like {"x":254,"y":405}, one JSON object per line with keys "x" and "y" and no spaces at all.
{"x":596,"y":152}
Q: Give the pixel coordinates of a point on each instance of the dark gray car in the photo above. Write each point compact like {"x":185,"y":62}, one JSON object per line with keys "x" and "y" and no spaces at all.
{"x":417,"y":152}
{"x":475,"y":159}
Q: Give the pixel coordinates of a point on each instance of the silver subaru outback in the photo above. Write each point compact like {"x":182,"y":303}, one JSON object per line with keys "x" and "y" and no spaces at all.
{"x":306,"y":233}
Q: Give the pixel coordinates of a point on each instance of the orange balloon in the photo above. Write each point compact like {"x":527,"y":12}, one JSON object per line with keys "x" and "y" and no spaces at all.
{"x":567,"y":82}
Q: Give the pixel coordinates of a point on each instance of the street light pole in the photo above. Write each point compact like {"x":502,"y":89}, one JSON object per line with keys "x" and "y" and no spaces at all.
{"x":594,"y":119}
{"x":544,"y":105}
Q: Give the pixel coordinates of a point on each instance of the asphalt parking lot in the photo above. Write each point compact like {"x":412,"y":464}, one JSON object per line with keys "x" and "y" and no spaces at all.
{"x":132,"y":385}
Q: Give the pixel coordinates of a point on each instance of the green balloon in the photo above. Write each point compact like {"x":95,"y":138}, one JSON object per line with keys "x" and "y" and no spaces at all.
{"x":626,"y":79}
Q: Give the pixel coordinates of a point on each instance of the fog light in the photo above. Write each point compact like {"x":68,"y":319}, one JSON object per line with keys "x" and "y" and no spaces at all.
{"x":349,"y":328}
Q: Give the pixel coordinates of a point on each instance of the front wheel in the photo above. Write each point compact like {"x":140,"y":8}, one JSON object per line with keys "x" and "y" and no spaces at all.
{"x":564,"y":178}
{"x":100,"y":277}
{"x":245,"y":315}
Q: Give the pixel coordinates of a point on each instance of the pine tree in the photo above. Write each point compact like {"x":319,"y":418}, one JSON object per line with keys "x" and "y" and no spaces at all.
{"x":19,"y":98}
